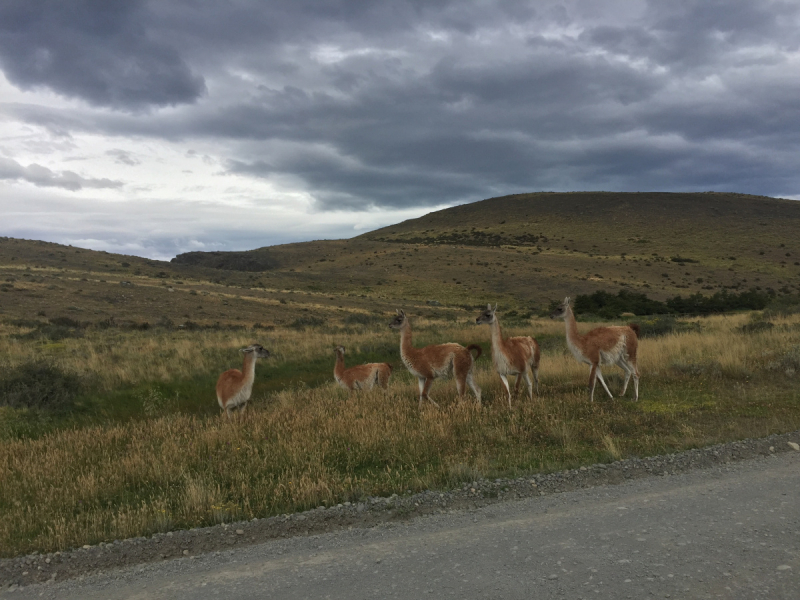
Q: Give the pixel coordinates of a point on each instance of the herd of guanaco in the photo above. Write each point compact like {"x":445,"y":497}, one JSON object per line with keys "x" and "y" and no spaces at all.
{"x":518,"y":356}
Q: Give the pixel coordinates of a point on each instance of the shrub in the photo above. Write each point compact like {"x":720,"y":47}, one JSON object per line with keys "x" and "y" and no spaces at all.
{"x":56,"y":329}
{"x":38,"y":385}
{"x":359,"y":319}
{"x":664,"y":325}
{"x":756,"y":327}
{"x":783,"y":306}
{"x":302,"y":322}
{"x":610,"y":306}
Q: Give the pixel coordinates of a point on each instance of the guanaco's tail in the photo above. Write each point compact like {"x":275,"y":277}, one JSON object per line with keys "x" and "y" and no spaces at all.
{"x":472,"y":347}
{"x":635,"y":327}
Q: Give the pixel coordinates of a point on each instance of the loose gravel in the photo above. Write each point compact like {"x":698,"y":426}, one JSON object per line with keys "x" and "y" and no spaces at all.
{"x":37,"y":568}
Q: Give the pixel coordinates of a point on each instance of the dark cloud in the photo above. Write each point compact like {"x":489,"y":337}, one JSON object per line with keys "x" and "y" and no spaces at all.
{"x":40,"y":176}
{"x":123,"y":157}
{"x":103,"y":52}
{"x":411,"y":103}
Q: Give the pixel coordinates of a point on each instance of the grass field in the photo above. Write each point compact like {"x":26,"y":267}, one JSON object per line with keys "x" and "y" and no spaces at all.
{"x":142,"y":447}
{"x":109,"y":425}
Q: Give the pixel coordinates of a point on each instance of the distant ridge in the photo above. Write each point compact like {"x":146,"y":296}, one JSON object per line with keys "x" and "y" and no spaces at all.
{"x":522,"y":251}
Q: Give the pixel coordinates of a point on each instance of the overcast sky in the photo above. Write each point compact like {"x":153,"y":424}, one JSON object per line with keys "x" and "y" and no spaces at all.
{"x":153,"y":128}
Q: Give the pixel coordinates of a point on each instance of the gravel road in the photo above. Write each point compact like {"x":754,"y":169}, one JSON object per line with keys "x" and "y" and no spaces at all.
{"x":729,"y":530}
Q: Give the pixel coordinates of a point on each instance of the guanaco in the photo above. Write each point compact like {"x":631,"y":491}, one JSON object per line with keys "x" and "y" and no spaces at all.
{"x":361,"y":377}
{"x":512,"y":356}
{"x":602,"y":346}
{"x":430,"y":362}
{"x":234,"y":386}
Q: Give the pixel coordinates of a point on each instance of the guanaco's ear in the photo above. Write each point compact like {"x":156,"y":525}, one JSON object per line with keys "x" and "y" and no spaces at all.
{"x":402,"y":313}
{"x":495,"y":307}
{"x":566,"y":301}
{"x":489,"y":306}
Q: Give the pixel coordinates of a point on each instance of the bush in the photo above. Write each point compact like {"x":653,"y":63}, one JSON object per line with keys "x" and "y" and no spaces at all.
{"x":783,"y":306}
{"x":302,"y":322}
{"x":610,"y":306}
{"x":723,"y":301}
{"x":359,"y":319}
{"x":788,"y":362}
{"x":38,"y":385}
{"x":56,"y":329}
{"x":756,"y":327}
{"x":664,"y":325}
{"x":65,"y":322}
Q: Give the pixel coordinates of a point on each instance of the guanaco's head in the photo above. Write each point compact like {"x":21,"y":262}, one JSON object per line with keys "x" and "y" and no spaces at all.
{"x":487,"y":316}
{"x":258,"y":350}
{"x":339,"y":350}
{"x":561,"y":311}
{"x":399,"y":320}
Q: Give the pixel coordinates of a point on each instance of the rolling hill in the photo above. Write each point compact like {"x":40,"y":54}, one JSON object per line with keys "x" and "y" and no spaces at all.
{"x":521,"y":251}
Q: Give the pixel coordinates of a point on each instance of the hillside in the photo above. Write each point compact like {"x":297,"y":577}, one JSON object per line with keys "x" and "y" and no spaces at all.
{"x":521,"y":251}
{"x":526,"y":248}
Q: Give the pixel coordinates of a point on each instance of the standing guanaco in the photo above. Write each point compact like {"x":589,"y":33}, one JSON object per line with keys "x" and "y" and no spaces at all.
{"x":430,"y":362}
{"x":602,"y":346}
{"x":234,"y":386}
{"x":512,"y":356}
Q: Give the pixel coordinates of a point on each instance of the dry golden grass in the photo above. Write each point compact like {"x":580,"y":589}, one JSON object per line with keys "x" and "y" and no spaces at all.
{"x":302,"y":447}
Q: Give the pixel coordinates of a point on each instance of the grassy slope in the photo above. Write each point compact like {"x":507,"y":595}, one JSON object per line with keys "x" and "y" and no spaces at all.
{"x":179,"y":464}
{"x":697,"y":387}
{"x":521,"y":251}
{"x":528,"y":248}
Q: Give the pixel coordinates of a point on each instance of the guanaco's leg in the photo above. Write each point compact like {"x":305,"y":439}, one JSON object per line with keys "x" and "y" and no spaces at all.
{"x":628,"y":372}
{"x":421,"y":382}
{"x":527,"y":375}
{"x":427,"y":388}
{"x":592,"y":381}
{"x":474,"y":387}
{"x":600,"y":377}
{"x":504,"y":379}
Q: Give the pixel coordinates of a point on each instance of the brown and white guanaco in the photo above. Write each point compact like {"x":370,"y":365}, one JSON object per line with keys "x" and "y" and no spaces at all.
{"x":234,"y":386}
{"x":602,"y":346}
{"x":512,"y":356}
{"x":361,"y":377}
{"x":431,"y":362}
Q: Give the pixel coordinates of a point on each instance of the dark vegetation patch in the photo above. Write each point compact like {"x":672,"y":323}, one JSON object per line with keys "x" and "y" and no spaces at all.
{"x":471,"y":238}
{"x":756,"y":326}
{"x":55,"y":329}
{"x":612,"y":306}
{"x":364,"y":319}
{"x":663,"y":325}
{"x":39,"y":385}
{"x":254,"y":260}
{"x":301,"y":323}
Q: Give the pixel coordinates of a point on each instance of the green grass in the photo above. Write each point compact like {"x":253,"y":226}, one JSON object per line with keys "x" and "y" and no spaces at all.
{"x":140,"y":445}
{"x":151,"y":456}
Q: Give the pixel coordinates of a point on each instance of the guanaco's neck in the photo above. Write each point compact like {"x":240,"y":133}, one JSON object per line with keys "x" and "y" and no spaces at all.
{"x":249,"y":366}
{"x":338,"y":368}
{"x":405,"y":339}
{"x":572,"y":327}
{"x":497,"y":333}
